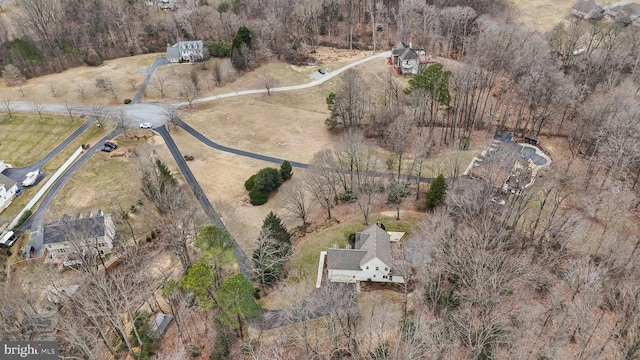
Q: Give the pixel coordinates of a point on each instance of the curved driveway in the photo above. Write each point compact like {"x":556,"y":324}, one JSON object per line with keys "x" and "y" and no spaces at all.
{"x":243,"y":261}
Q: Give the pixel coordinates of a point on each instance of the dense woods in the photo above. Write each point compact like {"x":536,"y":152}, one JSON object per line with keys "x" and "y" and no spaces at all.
{"x":552,"y":272}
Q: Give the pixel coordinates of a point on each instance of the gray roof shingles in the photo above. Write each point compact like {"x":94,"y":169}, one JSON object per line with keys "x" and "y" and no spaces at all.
{"x":344,"y":259}
{"x":86,"y":227}
{"x":6,"y":181}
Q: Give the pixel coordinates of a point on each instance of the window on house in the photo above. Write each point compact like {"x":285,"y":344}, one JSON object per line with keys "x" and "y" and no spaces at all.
{"x":367,"y":268}
{"x":386,"y":269}
{"x":374,"y":276}
{"x":384,"y":276}
{"x":377,"y":268}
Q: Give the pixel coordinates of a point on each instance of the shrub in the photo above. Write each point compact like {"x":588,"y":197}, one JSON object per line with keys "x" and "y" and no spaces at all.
{"x":218,"y":49}
{"x":249,"y":183}
{"x":267,"y":179}
{"x":286,"y":171}
{"x":22,"y":219}
{"x":220,"y":346}
{"x":9,"y":253}
{"x":257,"y":197}
{"x":127,"y":101}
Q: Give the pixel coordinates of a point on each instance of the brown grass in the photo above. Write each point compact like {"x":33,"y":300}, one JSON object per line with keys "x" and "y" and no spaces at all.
{"x":119,"y":71}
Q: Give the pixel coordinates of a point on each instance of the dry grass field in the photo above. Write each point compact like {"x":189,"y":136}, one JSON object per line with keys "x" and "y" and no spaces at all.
{"x":121,"y":72}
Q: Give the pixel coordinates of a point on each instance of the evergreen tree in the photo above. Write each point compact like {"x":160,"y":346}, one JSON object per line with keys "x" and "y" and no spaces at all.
{"x":437,"y":193}
{"x":236,"y":303}
{"x":278,"y":231}
{"x":286,"y":172}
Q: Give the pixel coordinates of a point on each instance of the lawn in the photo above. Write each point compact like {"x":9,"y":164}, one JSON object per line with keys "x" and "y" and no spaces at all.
{"x":25,"y":138}
{"x":105,"y":182}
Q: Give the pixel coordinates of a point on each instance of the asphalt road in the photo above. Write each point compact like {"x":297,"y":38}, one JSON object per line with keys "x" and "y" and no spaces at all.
{"x":243,"y":261}
{"x":159,"y":62}
{"x":37,"y":219}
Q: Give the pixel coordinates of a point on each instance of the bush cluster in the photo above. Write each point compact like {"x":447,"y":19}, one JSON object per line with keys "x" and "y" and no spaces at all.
{"x":261,"y":184}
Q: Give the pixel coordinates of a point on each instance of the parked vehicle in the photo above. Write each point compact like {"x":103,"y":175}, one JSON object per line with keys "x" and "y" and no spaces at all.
{"x":321,"y":71}
{"x":106,"y":148}
{"x":146,"y":125}
{"x":31,"y":178}
{"x":111,"y":145}
{"x":7,"y":239}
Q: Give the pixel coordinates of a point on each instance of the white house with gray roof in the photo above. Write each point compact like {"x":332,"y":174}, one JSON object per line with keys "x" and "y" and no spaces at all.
{"x":8,"y":190}
{"x":371,"y":260}
{"x":185,"y":51}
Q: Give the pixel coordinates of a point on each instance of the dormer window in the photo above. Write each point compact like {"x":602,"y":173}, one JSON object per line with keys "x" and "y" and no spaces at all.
{"x":189,"y":46}
{"x":184,"y":46}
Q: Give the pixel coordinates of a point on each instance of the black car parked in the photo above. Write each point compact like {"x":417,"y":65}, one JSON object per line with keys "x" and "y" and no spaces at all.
{"x":111,"y":145}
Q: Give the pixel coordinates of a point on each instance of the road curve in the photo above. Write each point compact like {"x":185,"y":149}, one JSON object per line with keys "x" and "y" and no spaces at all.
{"x":248,"y":154}
{"x":243,"y":261}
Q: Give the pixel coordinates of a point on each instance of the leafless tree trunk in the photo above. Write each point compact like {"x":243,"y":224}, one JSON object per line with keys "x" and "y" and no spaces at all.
{"x":6,"y":104}
{"x":160,"y":83}
{"x":37,"y":106}
{"x":100,"y":114}
{"x":296,"y":201}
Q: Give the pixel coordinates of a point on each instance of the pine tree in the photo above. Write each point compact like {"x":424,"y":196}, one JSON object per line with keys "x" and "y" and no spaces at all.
{"x":286,"y":171}
{"x":437,"y":193}
{"x":278,"y":231}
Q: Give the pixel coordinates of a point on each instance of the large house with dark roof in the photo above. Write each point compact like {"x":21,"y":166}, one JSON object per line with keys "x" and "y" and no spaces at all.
{"x":370,"y":260}
{"x":71,"y":238}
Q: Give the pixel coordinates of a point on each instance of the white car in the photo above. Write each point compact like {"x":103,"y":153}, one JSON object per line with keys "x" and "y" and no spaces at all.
{"x":146,"y":126}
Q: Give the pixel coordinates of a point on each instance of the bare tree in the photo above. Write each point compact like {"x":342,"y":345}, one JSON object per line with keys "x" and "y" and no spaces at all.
{"x":216,"y":71}
{"x":106,"y":85}
{"x":82,"y":90}
{"x":160,"y":83}
{"x":100,"y":114}
{"x":170,"y":113}
{"x":296,"y":201}
{"x":348,"y":105}
{"x":189,"y":91}
{"x":14,"y":76}
{"x":6,"y":104}
{"x":123,"y":122}
{"x":195,"y":80}
{"x":268,"y":81}
{"x":69,"y":108}
{"x":37,"y":106}
{"x":321,"y":180}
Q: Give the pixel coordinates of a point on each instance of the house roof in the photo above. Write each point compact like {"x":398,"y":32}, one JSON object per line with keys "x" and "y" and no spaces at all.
{"x":160,"y":323}
{"x":409,"y":53}
{"x":585,"y":6}
{"x":397,"y":50}
{"x":6,"y":181}
{"x":344,"y":259}
{"x":376,"y":244}
{"x":87,"y":227}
